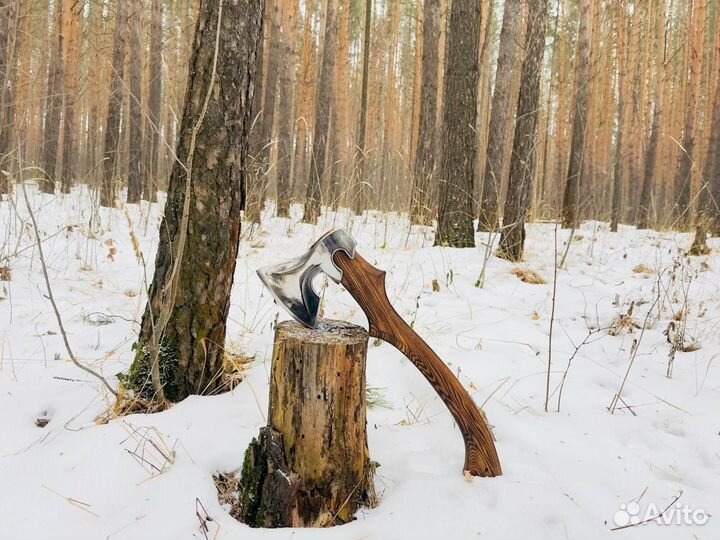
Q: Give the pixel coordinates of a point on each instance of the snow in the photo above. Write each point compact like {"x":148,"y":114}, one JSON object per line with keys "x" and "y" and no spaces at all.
{"x":566,"y":473}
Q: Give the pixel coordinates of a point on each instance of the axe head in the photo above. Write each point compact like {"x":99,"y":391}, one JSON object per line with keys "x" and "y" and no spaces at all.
{"x":291,"y":282}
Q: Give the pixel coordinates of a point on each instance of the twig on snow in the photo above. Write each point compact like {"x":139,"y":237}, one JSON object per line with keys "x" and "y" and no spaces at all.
{"x":52,"y":300}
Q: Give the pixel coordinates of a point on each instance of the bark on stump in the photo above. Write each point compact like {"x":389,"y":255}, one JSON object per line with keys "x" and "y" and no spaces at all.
{"x":310,"y":467}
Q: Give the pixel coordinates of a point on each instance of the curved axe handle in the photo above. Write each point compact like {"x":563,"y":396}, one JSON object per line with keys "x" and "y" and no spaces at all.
{"x":367,"y":285}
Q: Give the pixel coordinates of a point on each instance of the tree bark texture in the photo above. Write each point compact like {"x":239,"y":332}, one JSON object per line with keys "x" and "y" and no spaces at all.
{"x":360,"y":196}
{"x":618,"y":165}
{"x":253,"y":204}
{"x":134,"y":192}
{"x":53,"y":106}
{"x":310,"y":467}
{"x":573,"y":183}
{"x":524,"y":152}
{"x":341,"y":110}
{"x":112,"y":120}
{"x":455,"y":213}
{"x":426,"y":144}
{"x":261,"y":180}
{"x":194,"y":295}
{"x":285,"y":107}
{"x":683,"y":178}
{"x":711,"y":171}
{"x":152,"y":122}
{"x":502,"y":114}
{"x":71,"y":21}
{"x":323,"y":103}
{"x":8,"y":31}
{"x":649,"y":172}
{"x":708,"y":219}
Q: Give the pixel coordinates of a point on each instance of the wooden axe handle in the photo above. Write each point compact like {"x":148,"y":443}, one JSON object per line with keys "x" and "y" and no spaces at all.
{"x":367,"y":285}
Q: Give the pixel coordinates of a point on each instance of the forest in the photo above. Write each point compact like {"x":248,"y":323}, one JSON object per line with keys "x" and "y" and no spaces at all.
{"x":253,"y":252}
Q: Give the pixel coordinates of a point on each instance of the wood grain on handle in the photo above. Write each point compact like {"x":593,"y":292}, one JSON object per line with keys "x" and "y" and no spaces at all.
{"x":367,"y":285}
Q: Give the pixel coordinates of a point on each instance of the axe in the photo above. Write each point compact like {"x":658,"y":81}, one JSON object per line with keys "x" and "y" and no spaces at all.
{"x":334,"y":254}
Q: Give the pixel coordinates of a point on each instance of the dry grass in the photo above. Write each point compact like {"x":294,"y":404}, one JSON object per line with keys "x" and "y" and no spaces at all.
{"x":526,"y":275}
{"x":234,"y":366}
{"x":129,"y":403}
{"x":133,"y":238}
{"x":5,"y":273}
{"x":624,"y":323}
{"x":642,"y":269}
{"x":228,"y":487}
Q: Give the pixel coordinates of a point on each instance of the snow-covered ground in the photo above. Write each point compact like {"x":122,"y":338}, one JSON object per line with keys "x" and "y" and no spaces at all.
{"x":567,"y":474}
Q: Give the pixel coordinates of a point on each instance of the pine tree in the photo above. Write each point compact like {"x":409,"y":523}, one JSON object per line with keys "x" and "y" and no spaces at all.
{"x":285,"y":107}
{"x":652,"y":147}
{"x":425,"y":157}
{"x":683,"y":177}
{"x":152,"y":121}
{"x":183,"y":328}
{"x":455,"y":214}
{"x":53,"y":104}
{"x":573,"y":184}
{"x":71,"y":21}
{"x":112,"y":119}
{"x":360,"y":196}
{"x":621,"y":65}
{"x":502,"y":118}
{"x":524,"y":153}
{"x":134,"y":191}
{"x":323,"y":102}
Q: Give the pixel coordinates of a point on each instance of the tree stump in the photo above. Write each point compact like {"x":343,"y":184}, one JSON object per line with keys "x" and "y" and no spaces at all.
{"x":310,"y":467}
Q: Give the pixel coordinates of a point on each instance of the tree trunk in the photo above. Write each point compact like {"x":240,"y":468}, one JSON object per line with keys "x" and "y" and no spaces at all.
{"x":304,"y":104}
{"x":683,"y":178}
{"x":134,"y":191}
{"x":652,"y":148}
{"x":95,"y":69}
{"x":524,"y":153}
{"x":255,"y":179}
{"x":112,"y":120}
{"x":323,"y":102}
{"x":618,"y":166}
{"x":711,"y":172}
{"x":8,"y":30}
{"x":708,"y":219}
{"x":285,"y":107}
{"x":390,"y":120}
{"x":275,"y":58}
{"x":21,"y":88}
{"x":573,"y":184}
{"x":426,"y":144}
{"x":53,"y":106}
{"x":73,"y":10}
{"x":341,"y":113}
{"x":360,"y":197}
{"x":310,"y":467}
{"x":188,"y":301}
{"x":502,"y":114}
{"x":417,"y":88}
{"x":152,"y":122}
{"x":455,"y":214}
